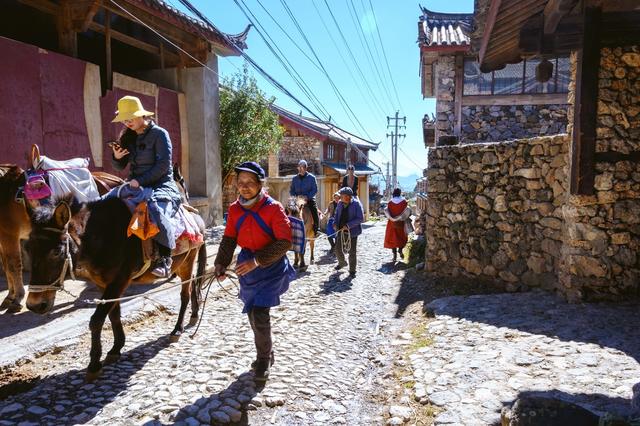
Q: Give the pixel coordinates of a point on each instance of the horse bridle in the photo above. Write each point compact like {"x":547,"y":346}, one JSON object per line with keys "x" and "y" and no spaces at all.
{"x":58,"y":284}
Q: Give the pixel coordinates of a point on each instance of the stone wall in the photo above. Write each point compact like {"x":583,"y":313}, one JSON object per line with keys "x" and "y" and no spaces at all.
{"x":296,"y":148}
{"x":495,"y":210}
{"x":484,"y":123}
{"x":603,"y":230}
{"x":445,"y":75}
{"x":503,"y":210}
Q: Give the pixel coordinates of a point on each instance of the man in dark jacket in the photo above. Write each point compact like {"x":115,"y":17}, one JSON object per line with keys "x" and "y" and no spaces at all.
{"x":304,"y":185}
{"x":349,"y":216}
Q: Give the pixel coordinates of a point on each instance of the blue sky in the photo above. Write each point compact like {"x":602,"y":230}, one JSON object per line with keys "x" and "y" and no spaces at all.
{"x":397,"y":25}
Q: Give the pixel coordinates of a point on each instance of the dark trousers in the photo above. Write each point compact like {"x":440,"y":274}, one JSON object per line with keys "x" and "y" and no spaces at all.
{"x":353,"y":260}
{"x":314,"y":213}
{"x":260,"y":321}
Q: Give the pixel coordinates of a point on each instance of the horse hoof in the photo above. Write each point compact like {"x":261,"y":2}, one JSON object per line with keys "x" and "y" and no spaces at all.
{"x":111,"y":359}
{"x":192,"y":321}
{"x":14,"y":307}
{"x":6,"y":302}
{"x":93,"y":375}
{"x":174,"y":338}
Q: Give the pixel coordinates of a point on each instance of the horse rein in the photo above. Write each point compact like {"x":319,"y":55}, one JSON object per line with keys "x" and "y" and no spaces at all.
{"x":58,"y":284}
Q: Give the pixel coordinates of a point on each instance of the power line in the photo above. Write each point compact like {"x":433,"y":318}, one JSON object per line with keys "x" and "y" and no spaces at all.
{"x":365,"y":46}
{"x":344,"y":103}
{"x":386,"y":59}
{"x":410,"y":159}
{"x":282,"y":59}
{"x":344,"y":61}
{"x":353,"y":58}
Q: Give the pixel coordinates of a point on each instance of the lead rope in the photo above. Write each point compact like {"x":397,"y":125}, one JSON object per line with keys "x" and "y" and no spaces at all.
{"x":345,"y":240}
{"x":206,"y":296}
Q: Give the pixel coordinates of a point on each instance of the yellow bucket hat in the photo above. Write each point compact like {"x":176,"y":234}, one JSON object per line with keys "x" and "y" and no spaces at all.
{"x":129,"y":107}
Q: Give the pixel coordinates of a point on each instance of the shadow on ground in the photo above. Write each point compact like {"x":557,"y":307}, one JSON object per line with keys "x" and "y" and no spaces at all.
{"x":70,"y":386}
{"x":228,"y":405}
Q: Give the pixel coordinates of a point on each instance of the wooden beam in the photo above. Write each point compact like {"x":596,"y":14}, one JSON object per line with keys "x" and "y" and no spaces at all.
{"x":91,"y":13}
{"x":488,"y":28}
{"x":45,"y":6}
{"x":107,"y":44}
{"x":67,"y":40}
{"x":459,"y":83}
{"x":116,"y":35}
{"x":524,"y":99}
{"x":614,"y":157}
{"x":554,"y":11}
{"x":583,"y":144}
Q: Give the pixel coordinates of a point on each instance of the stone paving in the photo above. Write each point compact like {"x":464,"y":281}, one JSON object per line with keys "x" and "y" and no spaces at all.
{"x":488,"y":350}
{"x":327,"y":333}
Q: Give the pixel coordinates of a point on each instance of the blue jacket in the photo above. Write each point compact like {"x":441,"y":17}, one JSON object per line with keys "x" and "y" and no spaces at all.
{"x":149,"y":161}
{"x":304,"y":185}
{"x":356,"y":216}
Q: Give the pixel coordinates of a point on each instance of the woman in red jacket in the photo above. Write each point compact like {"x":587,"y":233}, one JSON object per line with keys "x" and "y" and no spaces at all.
{"x":397,"y":211}
{"x":259,"y":225}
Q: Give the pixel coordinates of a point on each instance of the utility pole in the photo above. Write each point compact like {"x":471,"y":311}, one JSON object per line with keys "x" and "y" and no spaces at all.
{"x":394,"y":144}
{"x":387,"y":184}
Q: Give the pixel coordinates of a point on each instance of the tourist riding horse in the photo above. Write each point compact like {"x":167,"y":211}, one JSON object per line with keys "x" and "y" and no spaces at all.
{"x":307,"y":218}
{"x":94,"y":237}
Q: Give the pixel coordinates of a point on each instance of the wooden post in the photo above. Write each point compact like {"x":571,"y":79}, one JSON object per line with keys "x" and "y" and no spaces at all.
{"x":459,"y":83}
{"x":107,"y":43}
{"x":67,"y":40}
{"x":583,"y":144}
{"x":161,"y":55}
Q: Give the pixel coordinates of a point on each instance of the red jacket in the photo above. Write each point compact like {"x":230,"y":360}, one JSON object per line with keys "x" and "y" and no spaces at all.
{"x":251,"y":236}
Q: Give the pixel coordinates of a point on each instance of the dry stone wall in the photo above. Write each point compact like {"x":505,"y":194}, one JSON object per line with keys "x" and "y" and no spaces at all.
{"x":296,"y":148}
{"x":603,"y":231}
{"x":484,"y":123}
{"x":495,"y":210}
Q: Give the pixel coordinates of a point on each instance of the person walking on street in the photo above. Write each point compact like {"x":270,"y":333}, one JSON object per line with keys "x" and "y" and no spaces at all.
{"x":304,"y":185}
{"x":351,"y":180}
{"x":399,"y":215}
{"x":259,"y":225}
{"x":146,"y":148}
{"x":348,"y":222}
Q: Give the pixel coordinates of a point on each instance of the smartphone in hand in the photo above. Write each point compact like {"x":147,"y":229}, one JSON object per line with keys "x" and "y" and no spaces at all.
{"x":114,"y":144}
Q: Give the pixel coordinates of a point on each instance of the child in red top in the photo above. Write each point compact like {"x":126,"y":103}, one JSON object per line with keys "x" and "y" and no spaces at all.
{"x":259,"y":225}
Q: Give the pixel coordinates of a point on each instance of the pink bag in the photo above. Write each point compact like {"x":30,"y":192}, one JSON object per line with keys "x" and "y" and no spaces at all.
{"x":36,"y":188}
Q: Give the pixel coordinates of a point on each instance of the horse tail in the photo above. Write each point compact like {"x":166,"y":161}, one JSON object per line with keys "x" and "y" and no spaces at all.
{"x":202,"y":264}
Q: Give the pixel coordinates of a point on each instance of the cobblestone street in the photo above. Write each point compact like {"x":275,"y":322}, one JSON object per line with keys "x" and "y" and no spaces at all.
{"x":328,"y":334}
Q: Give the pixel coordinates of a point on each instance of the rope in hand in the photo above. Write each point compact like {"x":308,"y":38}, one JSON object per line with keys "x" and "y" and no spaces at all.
{"x":345,"y":241}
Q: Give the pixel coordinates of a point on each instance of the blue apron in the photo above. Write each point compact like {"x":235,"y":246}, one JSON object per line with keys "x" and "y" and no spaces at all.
{"x":264,"y":285}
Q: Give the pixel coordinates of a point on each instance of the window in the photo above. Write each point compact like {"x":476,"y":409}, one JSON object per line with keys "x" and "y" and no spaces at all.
{"x":515,"y":79}
{"x":330,"y":152}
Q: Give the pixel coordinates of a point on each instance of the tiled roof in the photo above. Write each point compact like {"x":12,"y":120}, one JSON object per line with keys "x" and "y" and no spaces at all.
{"x":233,"y":42}
{"x":325,"y":129}
{"x":360,"y":169}
{"x":444,"y":29}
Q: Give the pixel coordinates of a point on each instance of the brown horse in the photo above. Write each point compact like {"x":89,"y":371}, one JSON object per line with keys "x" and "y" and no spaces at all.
{"x":15,"y":225}
{"x":95,"y":235}
{"x":307,"y":218}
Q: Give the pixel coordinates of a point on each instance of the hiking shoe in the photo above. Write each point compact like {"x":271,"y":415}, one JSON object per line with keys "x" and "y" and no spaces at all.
{"x":352,"y":274}
{"x":261,"y":372}
{"x":340,"y":266}
{"x":163,"y":267}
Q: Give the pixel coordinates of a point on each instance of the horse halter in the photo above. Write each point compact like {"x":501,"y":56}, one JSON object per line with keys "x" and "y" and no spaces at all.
{"x":58,"y":284}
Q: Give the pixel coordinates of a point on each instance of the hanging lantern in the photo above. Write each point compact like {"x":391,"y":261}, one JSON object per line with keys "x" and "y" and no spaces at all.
{"x":544,"y":71}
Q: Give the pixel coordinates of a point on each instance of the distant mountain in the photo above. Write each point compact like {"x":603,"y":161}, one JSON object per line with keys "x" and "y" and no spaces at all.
{"x":408,"y":183}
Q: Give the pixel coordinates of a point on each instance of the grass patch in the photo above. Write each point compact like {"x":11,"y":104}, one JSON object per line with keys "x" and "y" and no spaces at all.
{"x":420,"y":339}
{"x":414,"y":251}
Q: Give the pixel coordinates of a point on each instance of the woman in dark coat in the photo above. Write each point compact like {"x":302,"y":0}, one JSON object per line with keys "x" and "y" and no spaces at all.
{"x":146,"y":148}
{"x":351,"y":180}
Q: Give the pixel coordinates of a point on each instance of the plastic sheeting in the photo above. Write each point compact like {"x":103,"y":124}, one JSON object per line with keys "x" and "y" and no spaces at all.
{"x":70,"y":176}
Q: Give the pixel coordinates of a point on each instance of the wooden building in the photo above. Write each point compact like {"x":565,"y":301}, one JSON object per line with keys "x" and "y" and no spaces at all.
{"x":327,"y":149}
{"x":67,"y":62}
{"x":477,"y":106}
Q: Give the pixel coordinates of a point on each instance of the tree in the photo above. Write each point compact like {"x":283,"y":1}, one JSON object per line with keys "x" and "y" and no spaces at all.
{"x":249,"y":130}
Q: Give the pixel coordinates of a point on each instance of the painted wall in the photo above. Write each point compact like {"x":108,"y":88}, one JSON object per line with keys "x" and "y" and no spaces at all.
{"x":54,"y":101}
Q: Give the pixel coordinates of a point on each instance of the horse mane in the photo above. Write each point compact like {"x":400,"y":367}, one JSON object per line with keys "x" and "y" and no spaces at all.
{"x":41,"y":215}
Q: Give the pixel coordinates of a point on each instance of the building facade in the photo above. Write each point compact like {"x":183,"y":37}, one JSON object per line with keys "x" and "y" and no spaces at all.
{"x":64,"y":72}
{"x":475,"y":106}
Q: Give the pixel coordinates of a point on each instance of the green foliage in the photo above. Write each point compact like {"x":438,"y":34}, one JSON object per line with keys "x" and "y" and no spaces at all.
{"x":249,"y":130}
{"x":414,"y":251}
